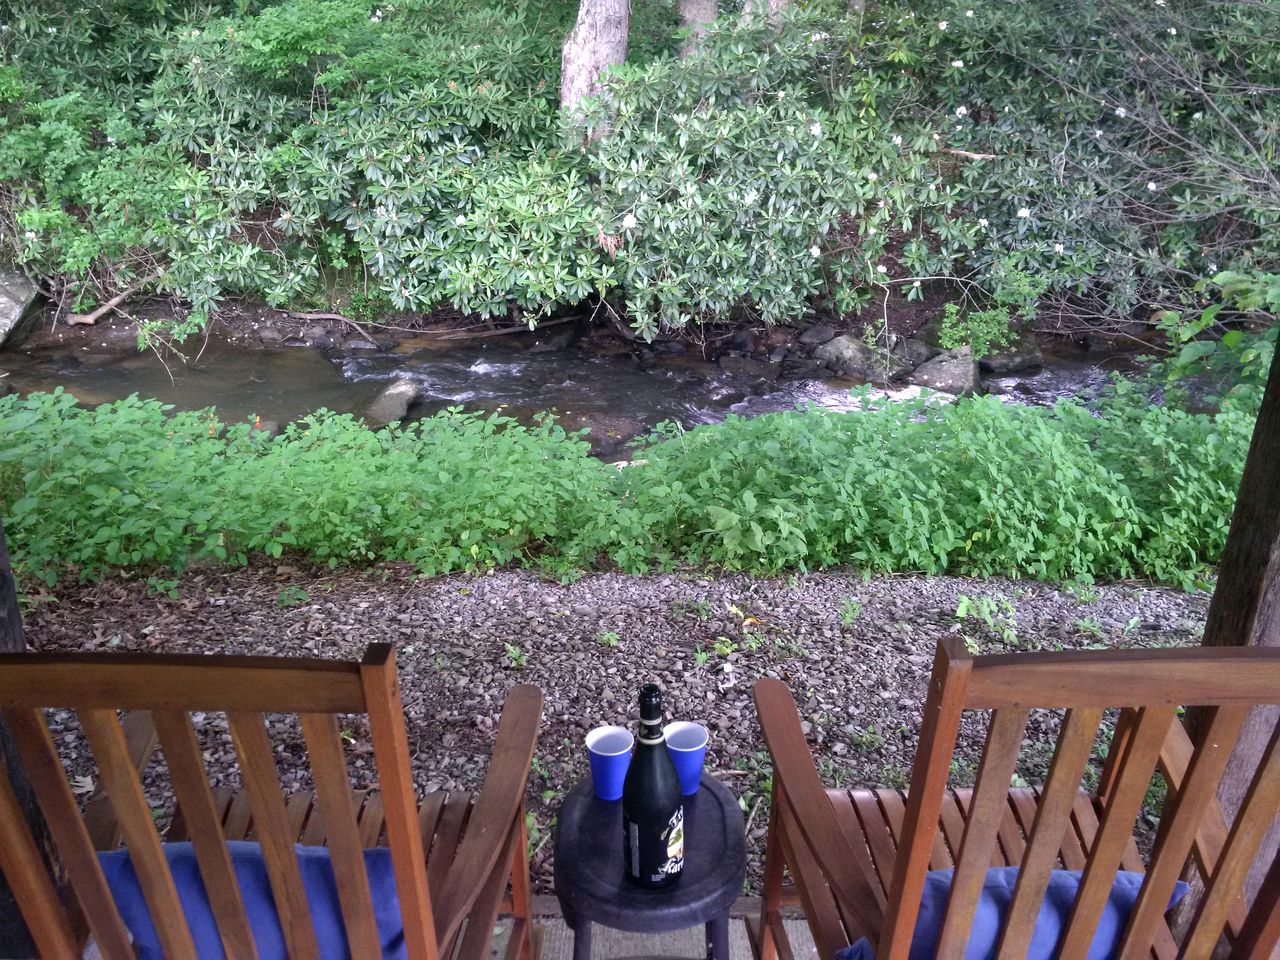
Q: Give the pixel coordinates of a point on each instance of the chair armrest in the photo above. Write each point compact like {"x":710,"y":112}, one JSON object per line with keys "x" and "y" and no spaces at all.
{"x":497,"y":808}
{"x":141,"y":739}
{"x":844,"y":863}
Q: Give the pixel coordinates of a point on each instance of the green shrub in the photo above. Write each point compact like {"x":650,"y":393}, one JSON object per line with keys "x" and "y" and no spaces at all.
{"x":977,"y":487}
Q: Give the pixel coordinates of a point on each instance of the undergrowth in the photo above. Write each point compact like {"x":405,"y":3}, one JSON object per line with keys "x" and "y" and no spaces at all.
{"x":978,"y":487}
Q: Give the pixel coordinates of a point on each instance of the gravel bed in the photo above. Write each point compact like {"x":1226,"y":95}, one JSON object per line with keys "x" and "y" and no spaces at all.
{"x":856,"y":652}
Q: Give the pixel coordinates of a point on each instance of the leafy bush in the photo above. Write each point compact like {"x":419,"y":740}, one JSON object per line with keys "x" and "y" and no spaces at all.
{"x":1112,"y":152}
{"x":977,"y":487}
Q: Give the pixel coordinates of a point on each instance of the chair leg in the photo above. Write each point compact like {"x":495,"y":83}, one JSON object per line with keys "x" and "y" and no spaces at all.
{"x":763,"y":933}
{"x":522,"y":934}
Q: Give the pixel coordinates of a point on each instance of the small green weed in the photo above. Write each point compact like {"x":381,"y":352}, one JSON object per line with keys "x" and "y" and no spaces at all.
{"x":292,"y":595}
{"x":607,"y":638}
{"x":850,"y":610}
{"x":516,"y":658}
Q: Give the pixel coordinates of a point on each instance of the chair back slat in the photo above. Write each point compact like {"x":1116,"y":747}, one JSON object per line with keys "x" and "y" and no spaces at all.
{"x":271,"y":825}
{"x":23,"y":866}
{"x":202,"y":822}
{"x":1260,"y":933}
{"x":391,"y":752}
{"x":1116,"y":829}
{"x":333,"y":793}
{"x":1178,"y":826}
{"x":990,"y":794}
{"x":1052,"y":821}
{"x":943,"y":710}
{"x":128,"y":802}
{"x":1254,"y":819}
{"x":66,"y":827}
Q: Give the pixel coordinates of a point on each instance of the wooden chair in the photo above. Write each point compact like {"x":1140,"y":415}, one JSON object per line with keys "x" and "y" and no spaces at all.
{"x":453,"y":857}
{"x":857,"y":859}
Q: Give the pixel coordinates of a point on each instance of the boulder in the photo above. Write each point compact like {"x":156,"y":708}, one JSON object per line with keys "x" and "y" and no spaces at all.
{"x":915,"y":352}
{"x":392,"y":404}
{"x":18,"y":300}
{"x":952,"y":371}
{"x":851,"y":356}
{"x":818,"y":334}
{"x":270,"y":333}
{"x":740,"y":366}
{"x":1022,"y":354}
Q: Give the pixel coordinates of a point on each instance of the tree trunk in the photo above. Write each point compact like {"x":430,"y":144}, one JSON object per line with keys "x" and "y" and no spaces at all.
{"x":1246,"y":603}
{"x":597,"y":41}
{"x":771,"y":9}
{"x":695,"y":15}
{"x":14,"y":939}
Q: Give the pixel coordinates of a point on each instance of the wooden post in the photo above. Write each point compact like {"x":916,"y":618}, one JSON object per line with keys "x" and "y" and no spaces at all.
{"x":1245,"y":609}
{"x":15,"y":941}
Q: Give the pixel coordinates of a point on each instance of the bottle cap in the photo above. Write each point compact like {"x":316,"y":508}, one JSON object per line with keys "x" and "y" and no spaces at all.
{"x":650,"y":702}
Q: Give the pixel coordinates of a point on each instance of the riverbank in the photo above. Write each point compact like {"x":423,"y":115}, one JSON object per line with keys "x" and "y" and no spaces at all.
{"x":856,"y":653}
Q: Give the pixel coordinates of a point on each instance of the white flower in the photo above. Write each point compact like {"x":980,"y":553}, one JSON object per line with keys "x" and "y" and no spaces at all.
{"x":873,"y":176}
{"x":1198,"y":115}
{"x":30,"y":235}
{"x":1173,"y":31}
{"x":897,"y":140}
{"x":1097,"y":134}
{"x":882,"y":269}
{"x":958,"y":64}
{"x":962,"y":111}
{"x":983,"y":222}
{"x":50,"y":30}
{"x":942,"y":25}
{"x":1161,"y":3}
{"x":815,"y":128}
{"x":871,"y":231}
{"x":1058,"y":248}
{"x":814,"y":251}
{"x":750,"y":197}
{"x":629,"y":222}
{"x":459,"y":220}
{"x":968,"y":13}
{"x":1121,"y":112}
{"x":1023,"y":213}
{"x":916,"y":284}
{"x":1213,"y":268}
{"x":377,"y":17}
{"x":1152,"y":186}
{"x":782,"y":94}
{"x":936,"y":137}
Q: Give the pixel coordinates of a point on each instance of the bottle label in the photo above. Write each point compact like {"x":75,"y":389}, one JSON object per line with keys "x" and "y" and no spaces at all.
{"x":675,"y":843}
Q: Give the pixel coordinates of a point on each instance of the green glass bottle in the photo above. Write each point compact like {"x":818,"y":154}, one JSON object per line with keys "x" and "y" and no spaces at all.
{"x":652,"y":806}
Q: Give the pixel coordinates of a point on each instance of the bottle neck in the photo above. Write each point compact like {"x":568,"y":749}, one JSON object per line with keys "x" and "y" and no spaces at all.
{"x":651,"y":731}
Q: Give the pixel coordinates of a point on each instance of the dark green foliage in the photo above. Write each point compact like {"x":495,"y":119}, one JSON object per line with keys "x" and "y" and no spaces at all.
{"x":976,"y":487}
{"x":1113,"y":153}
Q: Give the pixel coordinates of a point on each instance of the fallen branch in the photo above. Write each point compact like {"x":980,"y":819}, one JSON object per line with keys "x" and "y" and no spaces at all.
{"x":439,"y":335}
{"x":969,"y":154}
{"x":95,"y":315}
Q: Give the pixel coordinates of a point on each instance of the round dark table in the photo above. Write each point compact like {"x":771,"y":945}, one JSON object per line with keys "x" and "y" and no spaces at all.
{"x":592,"y":885}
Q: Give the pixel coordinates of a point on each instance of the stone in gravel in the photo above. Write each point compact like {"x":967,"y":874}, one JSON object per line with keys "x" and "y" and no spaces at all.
{"x":392,"y":404}
{"x":19,"y":298}
{"x":953,"y":371}
{"x":851,"y":356}
{"x":818,"y":334}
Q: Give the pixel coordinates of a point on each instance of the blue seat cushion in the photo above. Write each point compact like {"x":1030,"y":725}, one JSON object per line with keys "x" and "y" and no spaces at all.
{"x":255,"y":889}
{"x":993,"y":904}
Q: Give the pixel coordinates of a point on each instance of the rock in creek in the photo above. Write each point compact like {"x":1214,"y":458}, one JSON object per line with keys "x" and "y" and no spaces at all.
{"x":817,"y":334}
{"x":953,"y":371}
{"x":1022,"y":354}
{"x":392,"y":404}
{"x":852,"y":357}
{"x":18,"y":299}
{"x":740,"y":366}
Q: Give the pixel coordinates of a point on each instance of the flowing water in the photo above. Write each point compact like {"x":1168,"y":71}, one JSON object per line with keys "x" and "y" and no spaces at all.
{"x":284,"y":384}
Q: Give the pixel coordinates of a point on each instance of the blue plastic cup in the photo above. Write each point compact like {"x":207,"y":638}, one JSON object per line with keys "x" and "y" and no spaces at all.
{"x":609,"y":749}
{"x":687,"y":744}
